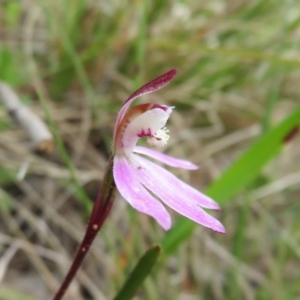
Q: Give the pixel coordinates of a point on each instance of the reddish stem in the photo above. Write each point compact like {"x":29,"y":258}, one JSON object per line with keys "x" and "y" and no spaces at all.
{"x":291,"y":135}
{"x":101,"y":209}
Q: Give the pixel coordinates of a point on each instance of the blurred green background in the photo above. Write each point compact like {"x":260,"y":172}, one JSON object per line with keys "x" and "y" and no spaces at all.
{"x":74,"y":63}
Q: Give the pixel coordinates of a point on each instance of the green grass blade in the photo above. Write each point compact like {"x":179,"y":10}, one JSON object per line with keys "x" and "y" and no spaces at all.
{"x":241,"y":173}
{"x":139,"y":274}
{"x":8,"y":294}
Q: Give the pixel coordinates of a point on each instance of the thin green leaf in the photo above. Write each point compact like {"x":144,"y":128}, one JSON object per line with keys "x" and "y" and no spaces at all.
{"x":13,"y":295}
{"x":241,"y":173}
{"x":139,"y":273}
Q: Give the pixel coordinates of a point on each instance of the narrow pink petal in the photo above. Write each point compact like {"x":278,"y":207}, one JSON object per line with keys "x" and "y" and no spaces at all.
{"x":130,"y":188}
{"x":149,"y":87}
{"x":166,"y":159}
{"x":175,"y":193}
{"x":187,"y":191}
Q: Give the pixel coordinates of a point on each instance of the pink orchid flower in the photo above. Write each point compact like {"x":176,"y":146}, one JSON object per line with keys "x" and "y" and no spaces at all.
{"x":142,"y":182}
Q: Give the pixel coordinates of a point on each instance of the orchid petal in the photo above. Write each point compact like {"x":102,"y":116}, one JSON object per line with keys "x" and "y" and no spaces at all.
{"x":166,"y":159}
{"x":191,"y":194}
{"x":130,"y":188}
{"x":175,"y":193}
{"x":149,"y":87}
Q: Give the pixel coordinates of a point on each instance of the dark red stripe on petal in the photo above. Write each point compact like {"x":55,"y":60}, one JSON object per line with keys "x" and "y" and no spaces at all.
{"x":154,"y":85}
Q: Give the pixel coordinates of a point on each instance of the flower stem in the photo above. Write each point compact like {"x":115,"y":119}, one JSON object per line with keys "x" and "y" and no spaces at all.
{"x":101,"y":209}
